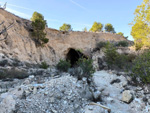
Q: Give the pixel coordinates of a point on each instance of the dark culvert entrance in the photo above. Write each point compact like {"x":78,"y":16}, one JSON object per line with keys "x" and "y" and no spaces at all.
{"x":73,"y":56}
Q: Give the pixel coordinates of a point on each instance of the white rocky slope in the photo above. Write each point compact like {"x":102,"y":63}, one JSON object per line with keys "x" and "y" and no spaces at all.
{"x":114,"y":94}
{"x":66,"y":94}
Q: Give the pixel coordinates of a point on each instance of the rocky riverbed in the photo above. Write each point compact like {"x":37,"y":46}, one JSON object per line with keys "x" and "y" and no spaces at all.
{"x":63,"y":93}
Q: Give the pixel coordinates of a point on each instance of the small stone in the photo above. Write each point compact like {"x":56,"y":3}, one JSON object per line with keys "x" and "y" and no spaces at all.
{"x":145,"y":99}
{"x":42,"y":86}
{"x":96,"y":95}
{"x":26,"y":92}
{"x":90,"y":107}
{"x":31,"y":76}
{"x":65,"y":102}
{"x":124,"y":83}
{"x":26,"y":82}
{"x":110,"y":99}
{"x":62,"y":90}
{"x":29,"y":100}
{"x":52,"y":100}
{"x":58,"y":96}
{"x":34,"y":90}
{"x":127,"y":96}
{"x":19,"y":89}
{"x":76,"y":106}
{"x":78,"y":85}
{"x":54,"y":111}
{"x":128,"y":78}
{"x":46,"y":93}
{"x":105,"y":93}
{"x":30,"y":88}
{"x":138,"y":89}
{"x":84,"y":79}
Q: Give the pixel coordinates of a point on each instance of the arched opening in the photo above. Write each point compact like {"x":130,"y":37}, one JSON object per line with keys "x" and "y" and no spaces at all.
{"x":73,"y":56}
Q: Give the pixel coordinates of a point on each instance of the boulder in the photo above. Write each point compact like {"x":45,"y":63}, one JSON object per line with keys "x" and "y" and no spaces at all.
{"x":127,"y":96}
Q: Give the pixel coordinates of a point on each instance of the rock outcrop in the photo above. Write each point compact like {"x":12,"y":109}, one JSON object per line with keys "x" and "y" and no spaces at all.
{"x":20,"y":45}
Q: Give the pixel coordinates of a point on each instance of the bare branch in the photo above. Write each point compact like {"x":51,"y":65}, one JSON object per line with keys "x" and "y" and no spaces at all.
{"x":104,"y":107}
{"x":4,"y":30}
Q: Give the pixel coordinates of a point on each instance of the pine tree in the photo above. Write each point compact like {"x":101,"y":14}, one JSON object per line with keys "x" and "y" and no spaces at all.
{"x":39,"y":24}
{"x":109,"y":28}
{"x":141,"y":24}
{"x":65,"y":27}
{"x":97,"y":27}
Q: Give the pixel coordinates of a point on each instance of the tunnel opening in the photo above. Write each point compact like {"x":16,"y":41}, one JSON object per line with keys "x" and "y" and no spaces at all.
{"x":73,"y":56}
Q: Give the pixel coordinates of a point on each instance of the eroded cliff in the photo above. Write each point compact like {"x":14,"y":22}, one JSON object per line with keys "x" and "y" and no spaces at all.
{"x":19,"y":43}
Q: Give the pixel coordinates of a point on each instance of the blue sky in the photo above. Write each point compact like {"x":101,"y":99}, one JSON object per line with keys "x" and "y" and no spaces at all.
{"x":78,"y":13}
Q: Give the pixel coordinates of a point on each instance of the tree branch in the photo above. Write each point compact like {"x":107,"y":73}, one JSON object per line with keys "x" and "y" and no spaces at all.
{"x":5,"y":30}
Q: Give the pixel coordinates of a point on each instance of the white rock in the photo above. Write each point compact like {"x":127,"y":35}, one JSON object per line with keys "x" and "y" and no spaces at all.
{"x":34,"y":90}
{"x":65,"y":102}
{"x":52,"y":99}
{"x":123,"y":80}
{"x":96,"y":94}
{"x":90,"y":108}
{"x":127,"y":96}
{"x":54,"y":111}
{"x":31,"y":76}
{"x":26,"y":82}
{"x":110,"y":99}
{"x":124,"y":83}
{"x":84,"y":80}
{"x":46,"y":93}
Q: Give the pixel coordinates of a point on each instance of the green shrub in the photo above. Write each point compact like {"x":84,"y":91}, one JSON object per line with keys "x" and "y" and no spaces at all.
{"x":12,"y":73}
{"x":121,"y":61}
{"x":129,"y":62}
{"x":65,"y":27}
{"x":141,"y":67}
{"x":79,"y":50}
{"x":122,"y":44}
{"x":39,"y":25}
{"x":44,"y":65}
{"x":138,"y":46}
{"x":45,"y":40}
{"x":131,"y":57}
{"x":110,"y":54}
{"x":76,"y":71}
{"x":3,"y":63}
{"x":86,"y":66}
{"x":101,"y":45}
{"x":63,"y":65}
{"x":113,"y":58}
{"x":16,"y":62}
